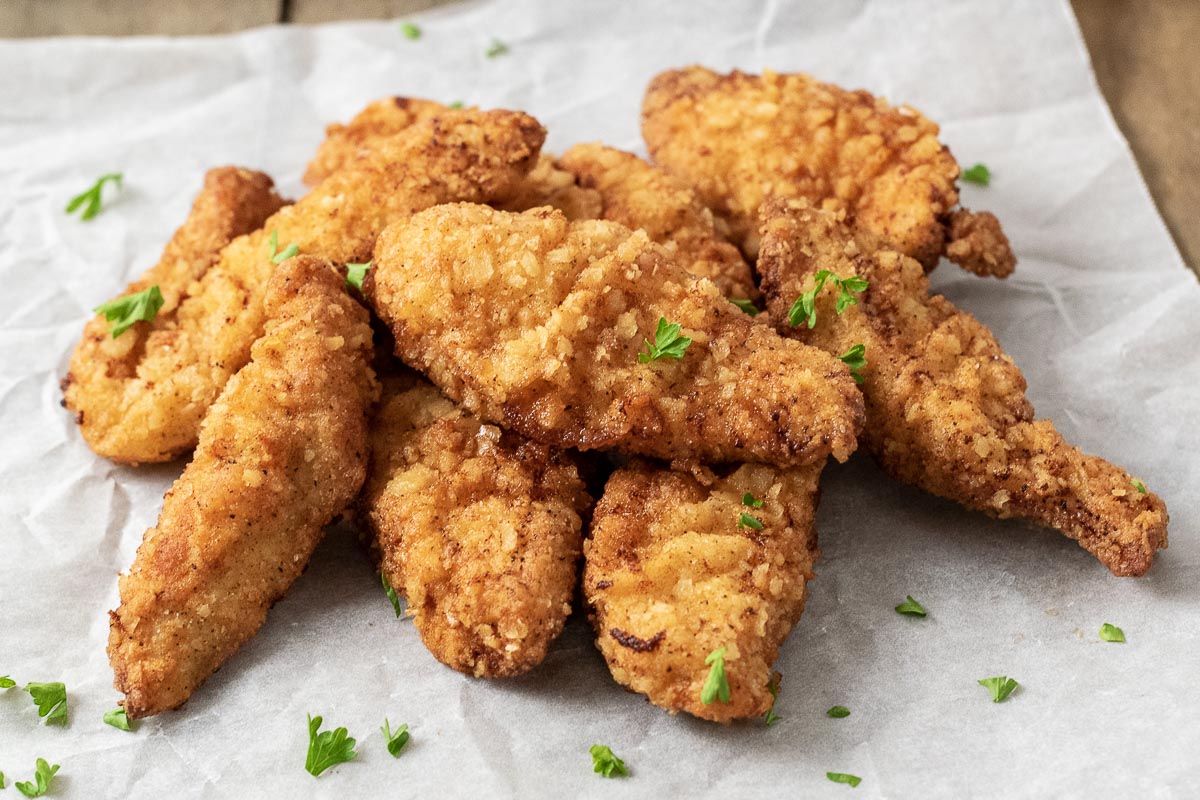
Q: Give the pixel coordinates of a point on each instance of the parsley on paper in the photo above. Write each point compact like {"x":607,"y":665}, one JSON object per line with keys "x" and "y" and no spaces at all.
{"x":51,"y":700}
{"x":90,"y":199}
{"x":748,"y":500}
{"x":910,"y":607}
{"x":496,"y":48}
{"x":749,"y":521}
{"x":1111,"y":633}
{"x":7,"y":682}
{"x":2,"y":784}
{"x":979,"y":174}
{"x":1141,"y":487}
{"x":771,"y":718}
{"x":391,"y":594}
{"x":456,"y":104}
{"x":327,"y":748}
{"x":140,"y":306}
{"x":668,"y":343}
{"x":355,"y":274}
{"x":42,"y":776}
{"x":805,"y":310}
{"x":838,"y":712}
{"x":410,"y":31}
{"x":745,"y":305}
{"x":278,"y":258}
{"x":605,"y":761}
{"x":118,"y":719}
{"x":1000,"y":687}
{"x":716,"y":685}
{"x":395,"y":739}
{"x":843,"y":777}
{"x":855,"y":359}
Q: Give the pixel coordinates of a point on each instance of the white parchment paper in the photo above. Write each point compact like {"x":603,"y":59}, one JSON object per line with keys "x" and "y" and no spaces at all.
{"x":1101,"y":315}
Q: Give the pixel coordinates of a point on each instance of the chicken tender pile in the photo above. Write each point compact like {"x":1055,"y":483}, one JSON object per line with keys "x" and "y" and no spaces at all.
{"x":480,"y":528}
{"x":550,"y":330}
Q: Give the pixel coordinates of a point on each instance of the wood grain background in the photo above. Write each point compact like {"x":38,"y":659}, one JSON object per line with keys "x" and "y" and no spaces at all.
{"x":1146,"y":54}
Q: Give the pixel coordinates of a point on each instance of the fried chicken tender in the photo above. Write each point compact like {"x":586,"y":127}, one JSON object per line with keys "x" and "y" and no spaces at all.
{"x":671,"y":576}
{"x":534,"y":323}
{"x":102,"y":386}
{"x":281,"y":452}
{"x":641,"y":196}
{"x":946,"y":408}
{"x":480,"y":528}
{"x":460,"y":155}
{"x":741,"y":139}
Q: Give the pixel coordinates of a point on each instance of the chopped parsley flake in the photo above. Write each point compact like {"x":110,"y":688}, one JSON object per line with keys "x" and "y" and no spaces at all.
{"x":89,"y":199}
{"x":355,"y":273}
{"x":979,"y":174}
{"x":716,"y":685}
{"x":327,"y":748}
{"x":51,"y":700}
{"x":748,"y":500}
{"x":745,"y":305}
{"x":140,"y":306}
{"x":855,"y":358}
{"x":910,"y":607}
{"x":606,"y":763}
{"x":838,"y":712}
{"x":1141,"y":487}
{"x":1111,"y":633}
{"x":43,"y":774}
{"x":391,"y":595}
{"x":496,"y":48}
{"x":456,"y":104}
{"x":748,"y":521}
{"x":843,"y":777}
{"x":395,"y":739}
{"x":278,"y":258}
{"x":410,"y":31}
{"x":805,"y":310}
{"x":1000,"y":687}
{"x":668,"y":343}
{"x":7,"y":682}
{"x":771,"y":718}
{"x":118,"y":719}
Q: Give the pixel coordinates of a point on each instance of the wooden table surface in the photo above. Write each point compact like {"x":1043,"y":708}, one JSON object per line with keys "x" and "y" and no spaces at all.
{"x":1144,"y":53}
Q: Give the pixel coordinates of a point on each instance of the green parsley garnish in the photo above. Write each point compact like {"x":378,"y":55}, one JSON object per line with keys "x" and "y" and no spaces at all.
{"x":43,"y":774}
{"x":51,"y":700}
{"x":855,"y":358}
{"x":1141,"y":487}
{"x":1000,"y":687}
{"x":605,"y":761}
{"x":90,"y":199}
{"x":7,"y":682}
{"x":410,"y":31}
{"x":716,"y":685}
{"x":1111,"y":633}
{"x":140,"y":306}
{"x":1,"y":779}
{"x":838,"y":712}
{"x":910,"y":607}
{"x":496,"y":48}
{"x":979,"y":174}
{"x":668,"y":343}
{"x":748,"y":521}
{"x":456,"y":104}
{"x":395,"y":739}
{"x":391,"y":595}
{"x":771,"y":718}
{"x":805,"y":310}
{"x":748,"y":500}
{"x":118,"y":719}
{"x":745,"y":305}
{"x":843,"y":777}
{"x":278,"y":258}
{"x":355,"y":274}
{"x":327,"y":748}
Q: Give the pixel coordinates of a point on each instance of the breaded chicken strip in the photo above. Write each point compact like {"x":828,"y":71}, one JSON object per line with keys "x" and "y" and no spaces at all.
{"x":673,"y":572}
{"x":946,"y":408}
{"x":282,"y":451}
{"x":479,"y":528}
{"x":103,"y":378}
{"x":742,"y":139}
{"x":459,"y":155}
{"x":535,"y":323}
{"x":640,"y":195}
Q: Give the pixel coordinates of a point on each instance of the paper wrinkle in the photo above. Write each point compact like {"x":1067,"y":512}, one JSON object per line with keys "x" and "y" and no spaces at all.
{"x":1100,"y":316}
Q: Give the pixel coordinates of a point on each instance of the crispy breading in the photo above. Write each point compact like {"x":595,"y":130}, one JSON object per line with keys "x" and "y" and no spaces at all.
{"x":380,"y":120}
{"x":548,"y":184}
{"x":282,"y":451}
{"x":102,"y":381}
{"x":459,"y":155}
{"x":480,"y":528}
{"x":742,"y":139}
{"x":946,"y":408}
{"x":642,"y":196}
{"x":671,"y":576}
{"x":534,"y":323}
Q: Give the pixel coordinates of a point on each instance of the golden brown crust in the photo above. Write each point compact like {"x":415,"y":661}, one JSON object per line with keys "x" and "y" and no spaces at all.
{"x":641,"y":196}
{"x":480,"y":529}
{"x":535,"y":323}
{"x":281,"y":452}
{"x":978,"y":244}
{"x":946,"y":408}
{"x":459,"y":155}
{"x":741,"y":139}
{"x":550,"y":185}
{"x":381,"y":119}
{"x":102,"y":386}
{"x":671,"y":576}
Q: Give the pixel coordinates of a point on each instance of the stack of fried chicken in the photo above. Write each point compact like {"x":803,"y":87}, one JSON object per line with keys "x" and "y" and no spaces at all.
{"x":535,"y":333}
